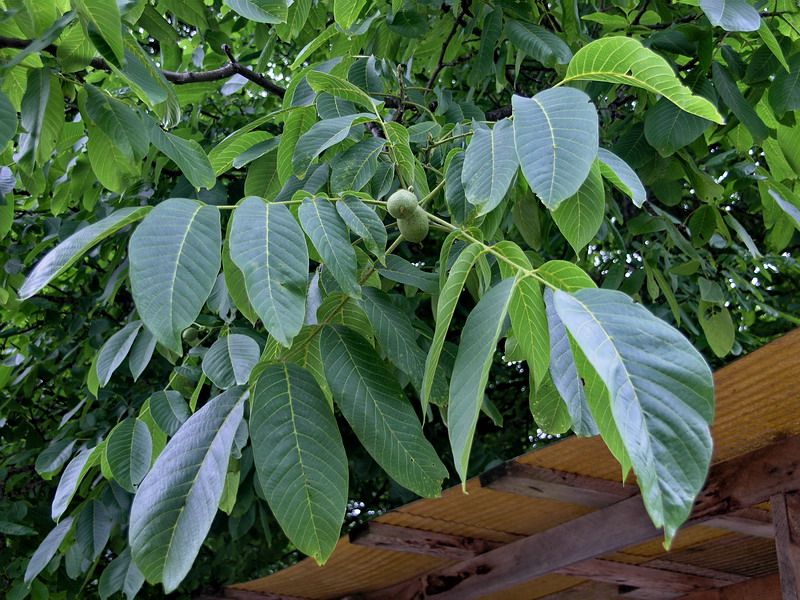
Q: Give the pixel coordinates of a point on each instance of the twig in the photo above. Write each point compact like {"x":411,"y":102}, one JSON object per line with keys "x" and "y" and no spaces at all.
{"x":441,"y":64}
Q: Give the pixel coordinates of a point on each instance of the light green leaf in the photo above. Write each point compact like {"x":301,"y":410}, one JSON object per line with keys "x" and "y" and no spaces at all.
{"x":538,"y":43}
{"x":128,"y":452}
{"x":490,"y":164}
{"x":8,"y":121}
{"x":548,"y":409}
{"x":400,"y":270}
{"x":564,"y":373}
{"x":479,"y":338}
{"x":41,"y":117}
{"x":47,"y":549}
{"x":115,"y":350}
{"x":175,"y":505}
{"x":788,"y":206}
{"x":320,"y":137}
{"x":110,"y":165}
{"x":121,"y":574}
{"x":726,"y":86}
{"x":141,"y":352}
{"x":621,"y":176}
{"x":668,"y":128}
{"x":579,"y":217}
{"x":104,"y":15}
{"x":75,"y":51}
{"x":70,"y":250}
{"x":336,"y":86}
{"x":330,"y":237}
{"x":624,"y":60}
{"x":230,"y":359}
{"x":169,"y":411}
{"x":315,"y":43}
{"x":352,"y":169}
{"x":718,"y":327}
{"x":346,"y":12}
{"x":363,"y":222}
{"x":187,"y":154}
{"x":71,"y":478}
{"x":234,"y":280}
{"x":731,"y":15}
{"x":223,"y":155}
{"x":556,"y":136}
{"x":454,"y":195}
{"x":53,"y":457}
{"x":297,"y":123}
{"x":175,"y":258}
{"x":261,"y":11}
{"x":565,"y":275}
{"x":766,"y":35}
{"x":661,"y":391}
{"x":121,"y":125}
{"x":448,"y":300}
{"x":269,"y":247}
{"x":256,"y":151}
{"x":299,"y":458}
{"x":371,"y":400}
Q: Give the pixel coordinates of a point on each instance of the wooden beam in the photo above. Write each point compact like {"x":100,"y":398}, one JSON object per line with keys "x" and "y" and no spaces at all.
{"x":786,"y":514}
{"x":639,"y":576}
{"x":237,"y":594}
{"x":750,"y":521}
{"x":723,"y":577}
{"x":527,"y":480}
{"x":763,"y":588}
{"x":738,"y":483}
{"x":418,"y":541}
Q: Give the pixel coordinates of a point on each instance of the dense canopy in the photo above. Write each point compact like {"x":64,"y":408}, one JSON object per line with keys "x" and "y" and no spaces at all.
{"x":270,"y":267}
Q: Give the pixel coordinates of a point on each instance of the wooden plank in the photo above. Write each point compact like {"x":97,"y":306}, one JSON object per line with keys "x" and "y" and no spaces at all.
{"x":418,"y":541}
{"x":237,"y":594}
{"x":786,"y":514}
{"x":538,"y":482}
{"x":724,"y":578}
{"x":639,"y":576}
{"x":763,"y":588}
{"x":739,"y":483}
{"x":750,"y":521}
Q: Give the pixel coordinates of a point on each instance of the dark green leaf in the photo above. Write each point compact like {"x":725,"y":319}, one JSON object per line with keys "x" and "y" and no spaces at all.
{"x":230,"y":359}
{"x":128,"y":452}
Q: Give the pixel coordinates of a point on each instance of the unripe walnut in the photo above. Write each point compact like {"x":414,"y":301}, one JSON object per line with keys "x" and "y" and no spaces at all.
{"x":415,"y":227}
{"x":402,"y":204}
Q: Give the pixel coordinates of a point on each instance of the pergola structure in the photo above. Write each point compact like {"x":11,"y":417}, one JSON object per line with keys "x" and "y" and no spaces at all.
{"x":557,"y":524}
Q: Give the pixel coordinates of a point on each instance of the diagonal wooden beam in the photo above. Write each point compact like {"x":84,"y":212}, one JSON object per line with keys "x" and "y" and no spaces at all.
{"x":750,"y":521}
{"x":786,"y":514}
{"x":418,"y":541}
{"x":736,"y":484}
{"x":551,"y":484}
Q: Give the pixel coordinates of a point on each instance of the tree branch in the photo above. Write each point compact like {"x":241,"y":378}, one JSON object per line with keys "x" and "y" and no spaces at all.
{"x":229,"y":70}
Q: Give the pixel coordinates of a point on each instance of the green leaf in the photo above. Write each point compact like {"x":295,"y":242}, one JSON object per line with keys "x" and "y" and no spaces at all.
{"x":564,"y":373}
{"x":624,"y":60}
{"x":75,"y":51}
{"x":731,"y":15}
{"x":320,"y":137}
{"x":527,"y":312}
{"x":8,"y":121}
{"x":110,"y":165}
{"x":63,"y":256}
{"x":299,"y":457}
{"x":784,"y":90}
{"x":408,"y":23}
{"x":71,"y":478}
{"x":787,"y":206}
{"x":93,"y":529}
{"x":330,"y":237}
{"x":141,"y":352}
{"x":363,"y":222}
{"x":297,"y":123}
{"x":371,"y":400}
{"x":261,"y":11}
{"x":187,"y":154}
{"x":703,"y":224}
{"x":53,"y":457}
{"x":538,"y":43}
{"x":128,"y":452}
{"x":556,"y":136}
{"x":454,"y":195}
{"x":169,"y":411}
{"x":579,"y":217}
{"x":548,"y":409}
{"x":718,"y":327}
{"x":47,"y":549}
{"x":234,"y":280}
{"x":448,"y":300}
{"x":104,"y":15}
{"x":346,"y":12}
{"x":120,"y":124}
{"x":766,"y":35}
{"x":269,"y":247}
{"x":621,"y":176}
{"x":336,"y":86}
{"x":400,"y":270}
{"x":256,"y":151}
{"x":352,"y":169}
{"x":661,"y":391}
{"x":41,"y":117}
{"x":223,"y":156}
{"x":668,"y":128}
{"x":315,"y":43}
{"x":725,"y":84}
{"x":121,"y":574}
{"x":173,"y":509}
{"x":230,"y":359}
{"x":115,"y":350}
{"x":175,"y":258}
{"x":490,"y":164}
{"x":479,"y":338}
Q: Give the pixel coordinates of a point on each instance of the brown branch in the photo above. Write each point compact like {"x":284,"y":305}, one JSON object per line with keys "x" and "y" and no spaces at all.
{"x":441,"y":64}
{"x":229,"y":70}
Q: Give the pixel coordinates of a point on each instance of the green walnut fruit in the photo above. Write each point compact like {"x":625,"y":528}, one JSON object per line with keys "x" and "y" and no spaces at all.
{"x":402,"y":204}
{"x":415,"y":227}
{"x":190,"y":336}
